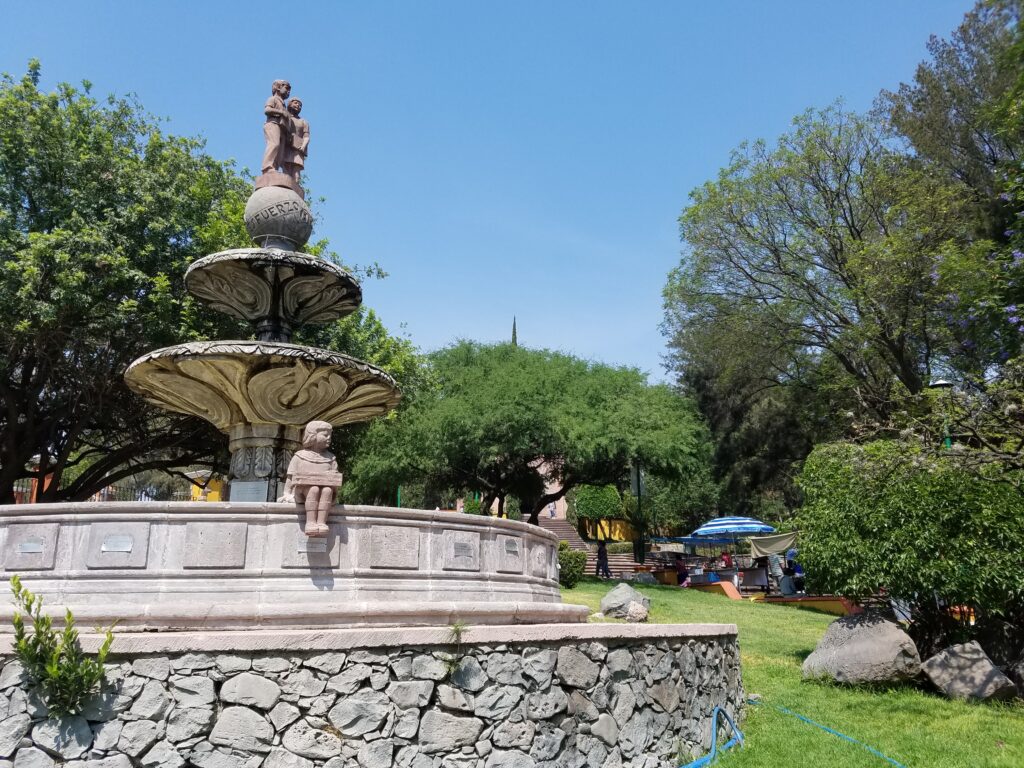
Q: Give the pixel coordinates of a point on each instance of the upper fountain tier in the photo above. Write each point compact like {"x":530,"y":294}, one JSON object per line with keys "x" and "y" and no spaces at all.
{"x":274,"y":287}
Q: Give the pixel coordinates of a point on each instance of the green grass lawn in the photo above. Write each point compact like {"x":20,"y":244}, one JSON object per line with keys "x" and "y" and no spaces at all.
{"x":912,"y":726}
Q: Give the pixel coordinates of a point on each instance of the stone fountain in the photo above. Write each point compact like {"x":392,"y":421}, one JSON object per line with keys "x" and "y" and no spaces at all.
{"x":248,"y":562}
{"x":416,"y":638}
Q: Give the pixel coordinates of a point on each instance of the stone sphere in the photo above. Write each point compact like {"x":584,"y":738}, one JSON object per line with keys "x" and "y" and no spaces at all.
{"x":276,"y":217}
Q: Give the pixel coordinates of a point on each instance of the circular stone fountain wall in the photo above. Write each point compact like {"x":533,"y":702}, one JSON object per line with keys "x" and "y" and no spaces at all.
{"x":189,"y":565}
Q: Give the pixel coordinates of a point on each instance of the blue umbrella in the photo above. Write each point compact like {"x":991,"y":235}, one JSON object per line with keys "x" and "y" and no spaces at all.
{"x":733,"y":526}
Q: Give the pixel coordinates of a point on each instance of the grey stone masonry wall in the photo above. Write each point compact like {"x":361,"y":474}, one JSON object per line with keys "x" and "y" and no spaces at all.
{"x":630,"y":702}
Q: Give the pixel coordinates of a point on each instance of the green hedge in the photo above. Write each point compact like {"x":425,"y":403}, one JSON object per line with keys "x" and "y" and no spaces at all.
{"x":571,"y":564}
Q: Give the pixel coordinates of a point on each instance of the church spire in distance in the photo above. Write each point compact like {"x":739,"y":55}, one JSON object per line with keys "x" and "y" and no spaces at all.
{"x":515,"y":341}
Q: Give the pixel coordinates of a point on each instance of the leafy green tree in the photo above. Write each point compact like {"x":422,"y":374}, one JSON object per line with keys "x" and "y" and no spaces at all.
{"x":678,"y":505}
{"x":511,"y":423}
{"x":947,"y":114}
{"x":887,"y":517}
{"x":829,"y":242}
{"x":100,"y":214}
{"x":364,"y":336}
{"x":957,"y":116}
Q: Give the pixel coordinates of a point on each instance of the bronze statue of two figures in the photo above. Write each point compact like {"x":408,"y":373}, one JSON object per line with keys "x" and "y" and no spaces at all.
{"x":286,"y":134}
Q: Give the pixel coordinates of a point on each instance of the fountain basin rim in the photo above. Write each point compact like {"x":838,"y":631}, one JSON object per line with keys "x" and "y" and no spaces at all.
{"x":98,"y":511}
{"x":343,"y":639}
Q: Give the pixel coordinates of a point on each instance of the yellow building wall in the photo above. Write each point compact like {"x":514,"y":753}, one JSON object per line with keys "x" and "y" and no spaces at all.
{"x":212,"y":491}
{"x":608,"y":530}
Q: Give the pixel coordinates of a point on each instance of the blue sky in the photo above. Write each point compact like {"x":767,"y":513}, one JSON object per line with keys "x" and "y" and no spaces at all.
{"x":519,"y":158}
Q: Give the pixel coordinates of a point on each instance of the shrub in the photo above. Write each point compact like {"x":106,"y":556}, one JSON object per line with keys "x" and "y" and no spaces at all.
{"x":620,"y":547}
{"x":471,"y":506}
{"x":54,"y":660}
{"x":885,"y":517}
{"x":571,"y":564}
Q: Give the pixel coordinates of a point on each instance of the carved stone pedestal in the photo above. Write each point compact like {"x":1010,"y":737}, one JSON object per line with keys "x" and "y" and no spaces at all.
{"x":259,"y":458}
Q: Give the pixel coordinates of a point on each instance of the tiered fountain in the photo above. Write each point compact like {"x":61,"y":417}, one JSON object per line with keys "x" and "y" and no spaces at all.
{"x":247,"y":562}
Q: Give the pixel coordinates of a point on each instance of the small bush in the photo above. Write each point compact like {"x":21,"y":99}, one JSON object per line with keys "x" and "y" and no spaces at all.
{"x":54,"y":660}
{"x":471,"y":506}
{"x":571,"y":564}
{"x":620,"y":547}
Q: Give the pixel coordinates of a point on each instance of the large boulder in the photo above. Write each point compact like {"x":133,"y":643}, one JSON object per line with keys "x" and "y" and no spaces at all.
{"x":864,"y":649}
{"x":1016,"y":673}
{"x":624,"y":602}
{"x":1002,"y":641}
{"x":965,"y":672}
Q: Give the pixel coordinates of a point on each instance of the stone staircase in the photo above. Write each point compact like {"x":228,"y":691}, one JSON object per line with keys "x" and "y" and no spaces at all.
{"x":565,"y":531}
{"x":617,"y":564}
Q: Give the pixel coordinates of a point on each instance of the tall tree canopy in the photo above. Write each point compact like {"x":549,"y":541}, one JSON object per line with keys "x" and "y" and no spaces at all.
{"x":947,"y":114}
{"x":826,"y":245}
{"x":508,"y":422}
{"x":829,"y":276}
{"x":100,"y":214}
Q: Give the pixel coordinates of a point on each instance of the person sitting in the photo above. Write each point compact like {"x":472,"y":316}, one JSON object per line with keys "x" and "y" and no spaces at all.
{"x":787,"y":586}
{"x":726,"y":560}
{"x":682,"y":573}
{"x":798,"y":577}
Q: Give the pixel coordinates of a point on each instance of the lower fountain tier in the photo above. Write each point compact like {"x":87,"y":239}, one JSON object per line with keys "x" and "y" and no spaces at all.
{"x":235,"y":383}
{"x":275,"y":290}
{"x":204,"y":565}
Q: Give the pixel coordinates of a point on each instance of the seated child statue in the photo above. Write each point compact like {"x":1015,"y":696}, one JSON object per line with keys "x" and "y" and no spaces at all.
{"x":313,"y":477}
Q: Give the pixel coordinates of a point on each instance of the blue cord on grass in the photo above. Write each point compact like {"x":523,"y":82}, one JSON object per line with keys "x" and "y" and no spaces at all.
{"x":737,"y":738}
{"x":825,"y":728}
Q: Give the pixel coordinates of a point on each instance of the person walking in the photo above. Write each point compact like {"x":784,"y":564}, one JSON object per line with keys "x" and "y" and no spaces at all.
{"x":603,"y":571}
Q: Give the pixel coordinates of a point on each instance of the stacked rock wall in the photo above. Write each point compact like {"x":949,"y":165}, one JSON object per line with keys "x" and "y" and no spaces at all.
{"x":609,"y":698}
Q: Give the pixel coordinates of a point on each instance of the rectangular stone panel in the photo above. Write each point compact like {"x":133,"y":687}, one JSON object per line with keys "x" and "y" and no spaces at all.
{"x":301,"y":551}
{"x":117,"y":545}
{"x":510,"y":554}
{"x":540,"y":558}
{"x":249,"y":490}
{"x":31,"y":546}
{"x":394,"y":546}
{"x":214,"y":545}
{"x":461,"y":550}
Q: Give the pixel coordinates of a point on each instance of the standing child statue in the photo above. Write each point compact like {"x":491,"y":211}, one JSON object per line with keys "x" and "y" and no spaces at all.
{"x":297,"y":149}
{"x":277,"y":128}
{"x":313,"y":477}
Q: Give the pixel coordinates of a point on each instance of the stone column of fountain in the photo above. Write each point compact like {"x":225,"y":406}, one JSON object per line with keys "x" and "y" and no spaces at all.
{"x":261,"y":392}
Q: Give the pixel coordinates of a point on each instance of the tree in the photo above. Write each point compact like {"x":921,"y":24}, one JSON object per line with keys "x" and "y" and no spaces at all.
{"x":510,"y":422}
{"x":827,"y":246}
{"x":100,"y":214}
{"x":364,"y":336}
{"x":765,"y":407}
{"x":947,"y":114}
